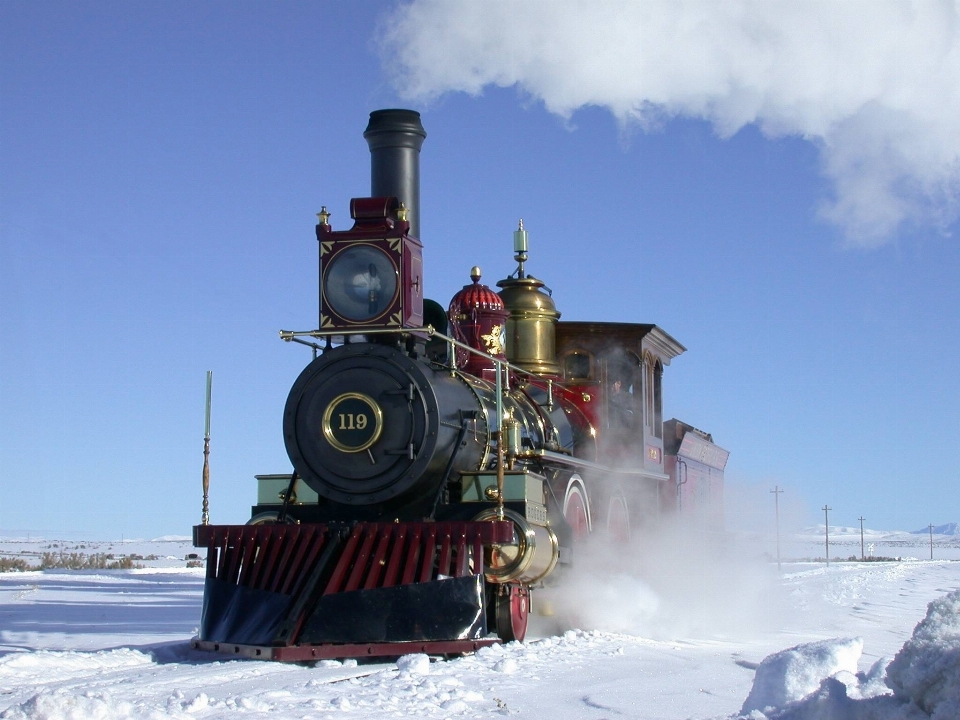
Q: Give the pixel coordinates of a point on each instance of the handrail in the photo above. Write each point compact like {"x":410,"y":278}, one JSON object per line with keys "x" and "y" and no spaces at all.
{"x":429,"y":330}
{"x":570,"y":461}
{"x":503,"y":368}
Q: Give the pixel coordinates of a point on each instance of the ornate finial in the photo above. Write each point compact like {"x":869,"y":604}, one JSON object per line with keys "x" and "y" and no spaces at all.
{"x":520,"y":247}
{"x":402,"y":212}
{"x":475,"y":273}
{"x":323,"y":216}
{"x":520,"y":240}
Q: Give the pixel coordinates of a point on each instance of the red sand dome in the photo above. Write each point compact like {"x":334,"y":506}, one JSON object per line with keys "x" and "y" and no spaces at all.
{"x":478,"y":318}
{"x":475,"y":296}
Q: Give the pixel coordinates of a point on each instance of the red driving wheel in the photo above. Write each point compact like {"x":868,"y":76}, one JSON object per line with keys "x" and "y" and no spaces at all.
{"x":513,"y":610}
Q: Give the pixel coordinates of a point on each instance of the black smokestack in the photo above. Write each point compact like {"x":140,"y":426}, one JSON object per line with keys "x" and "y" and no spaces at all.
{"x":395,"y":138}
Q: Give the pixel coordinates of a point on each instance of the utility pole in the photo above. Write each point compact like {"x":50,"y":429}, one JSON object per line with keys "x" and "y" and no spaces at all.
{"x":776,"y":504}
{"x":826,"y":530}
{"x":862,"y":557}
{"x":931,"y":541}
{"x":205,"y":515}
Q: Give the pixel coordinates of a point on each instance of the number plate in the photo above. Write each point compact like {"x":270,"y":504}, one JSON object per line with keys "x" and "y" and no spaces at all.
{"x":352,"y":422}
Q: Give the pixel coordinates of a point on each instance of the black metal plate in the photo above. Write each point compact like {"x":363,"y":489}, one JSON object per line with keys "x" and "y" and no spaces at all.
{"x":449,"y":609}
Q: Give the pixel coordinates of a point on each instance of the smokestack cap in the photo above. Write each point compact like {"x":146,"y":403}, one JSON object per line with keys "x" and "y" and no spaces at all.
{"x":395,"y":128}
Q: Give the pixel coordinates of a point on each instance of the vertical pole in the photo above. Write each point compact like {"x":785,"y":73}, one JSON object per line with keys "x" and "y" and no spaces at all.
{"x":776,"y":504}
{"x":499,"y":441}
{"x":826,"y":530}
{"x":683,"y":474}
{"x":205,"y":515}
{"x":862,"y":557}
{"x":931,"y":541}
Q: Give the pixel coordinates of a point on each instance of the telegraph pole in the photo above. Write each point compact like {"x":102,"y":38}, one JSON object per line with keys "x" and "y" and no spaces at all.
{"x":931,"y":541}
{"x":205,"y":515}
{"x":862,"y":557}
{"x":826,"y":530}
{"x":776,"y":504}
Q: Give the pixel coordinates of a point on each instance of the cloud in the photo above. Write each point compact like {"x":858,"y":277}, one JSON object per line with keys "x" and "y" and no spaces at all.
{"x":875,"y":84}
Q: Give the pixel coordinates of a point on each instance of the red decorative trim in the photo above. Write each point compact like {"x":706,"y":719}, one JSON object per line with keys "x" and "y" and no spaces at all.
{"x":393,"y":568}
{"x":379,"y":559}
{"x":279,"y":558}
{"x":413,"y":556}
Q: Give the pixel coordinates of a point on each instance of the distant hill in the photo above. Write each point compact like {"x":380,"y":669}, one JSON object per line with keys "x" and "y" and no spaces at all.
{"x":948,"y":529}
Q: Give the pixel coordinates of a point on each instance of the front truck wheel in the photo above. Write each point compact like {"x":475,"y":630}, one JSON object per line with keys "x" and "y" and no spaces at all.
{"x":512,"y":610}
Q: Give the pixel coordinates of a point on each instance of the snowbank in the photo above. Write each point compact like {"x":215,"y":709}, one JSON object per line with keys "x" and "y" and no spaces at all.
{"x":793,"y":674}
{"x":819,"y":681}
{"x":46,"y":664}
{"x":927,"y":670}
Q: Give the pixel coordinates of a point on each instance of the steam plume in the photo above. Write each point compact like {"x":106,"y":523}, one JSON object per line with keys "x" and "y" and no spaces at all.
{"x":672,"y":582}
{"x":874,"y":84}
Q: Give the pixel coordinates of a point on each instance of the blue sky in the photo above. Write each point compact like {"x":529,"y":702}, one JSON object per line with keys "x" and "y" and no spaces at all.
{"x":775,"y":190}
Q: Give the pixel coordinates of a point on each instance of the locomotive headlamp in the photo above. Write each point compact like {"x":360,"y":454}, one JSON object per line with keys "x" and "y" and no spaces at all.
{"x":372,"y":274}
{"x":360,"y":283}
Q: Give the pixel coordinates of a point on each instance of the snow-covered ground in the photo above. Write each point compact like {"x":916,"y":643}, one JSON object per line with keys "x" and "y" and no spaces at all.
{"x":707,"y":637}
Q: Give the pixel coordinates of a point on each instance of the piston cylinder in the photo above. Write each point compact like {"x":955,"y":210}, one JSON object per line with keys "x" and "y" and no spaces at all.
{"x":531,"y":558}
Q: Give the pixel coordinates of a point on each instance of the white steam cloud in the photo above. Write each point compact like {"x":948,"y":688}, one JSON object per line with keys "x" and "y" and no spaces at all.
{"x":875,"y":84}
{"x":671,"y":582}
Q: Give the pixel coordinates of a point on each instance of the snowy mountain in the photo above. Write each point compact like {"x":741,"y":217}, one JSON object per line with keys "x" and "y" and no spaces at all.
{"x":948,"y":529}
{"x":948,"y":534}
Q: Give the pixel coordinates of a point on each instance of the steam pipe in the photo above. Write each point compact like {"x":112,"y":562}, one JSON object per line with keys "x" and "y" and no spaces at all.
{"x":681,"y":481}
{"x":395,"y":138}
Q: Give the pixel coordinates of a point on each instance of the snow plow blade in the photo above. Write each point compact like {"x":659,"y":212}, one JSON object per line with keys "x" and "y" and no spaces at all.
{"x":298,"y":592}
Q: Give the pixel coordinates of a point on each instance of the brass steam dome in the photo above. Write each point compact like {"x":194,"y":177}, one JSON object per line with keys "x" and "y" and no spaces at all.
{"x":531,"y":332}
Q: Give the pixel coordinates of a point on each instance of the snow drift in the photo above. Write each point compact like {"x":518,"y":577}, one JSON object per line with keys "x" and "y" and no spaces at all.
{"x":819,"y":681}
{"x":927,"y":670}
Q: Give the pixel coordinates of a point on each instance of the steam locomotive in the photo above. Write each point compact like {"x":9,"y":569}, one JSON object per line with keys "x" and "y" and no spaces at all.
{"x":446,"y":461}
